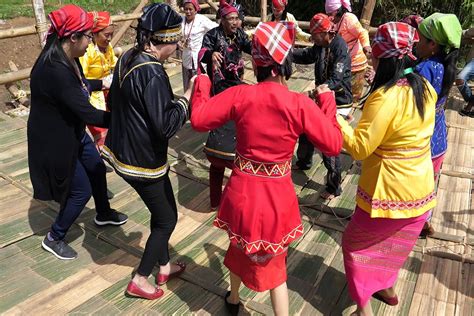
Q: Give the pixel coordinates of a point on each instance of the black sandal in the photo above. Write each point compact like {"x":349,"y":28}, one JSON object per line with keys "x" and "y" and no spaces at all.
{"x":233,"y":309}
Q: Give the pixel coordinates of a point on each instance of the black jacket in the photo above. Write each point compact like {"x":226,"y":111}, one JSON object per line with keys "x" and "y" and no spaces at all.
{"x":144,"y":117}
{"x":221,"y":141}
{"x":59,"y":111}
{"x":333,"y":70}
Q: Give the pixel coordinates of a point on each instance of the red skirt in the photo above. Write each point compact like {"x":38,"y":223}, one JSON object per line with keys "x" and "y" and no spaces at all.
{"x":259,"y":271}
{"x":260,"y":214}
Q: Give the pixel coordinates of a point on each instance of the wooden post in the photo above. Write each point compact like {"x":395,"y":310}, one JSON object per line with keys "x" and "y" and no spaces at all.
{"x":212,"y":5}
{"x":263,"y":10}
{"x":367,"y":12}
{"x":127,"y":24}
{"x":41,"y":24}
{"x":18,"y":94}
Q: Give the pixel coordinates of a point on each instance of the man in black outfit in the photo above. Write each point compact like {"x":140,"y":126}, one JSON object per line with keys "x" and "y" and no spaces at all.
{"x":332,"y":66}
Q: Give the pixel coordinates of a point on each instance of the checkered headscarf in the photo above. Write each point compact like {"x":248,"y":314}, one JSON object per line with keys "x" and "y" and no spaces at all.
{"x":279,"y":4}
{"x":68,"y":20}
{"x":394,"y":39}
{"x":320,"y":23}
{"x":272,"y":42}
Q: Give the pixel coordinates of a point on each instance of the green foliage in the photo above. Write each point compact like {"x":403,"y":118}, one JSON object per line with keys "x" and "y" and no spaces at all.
{"x":15,"y":8}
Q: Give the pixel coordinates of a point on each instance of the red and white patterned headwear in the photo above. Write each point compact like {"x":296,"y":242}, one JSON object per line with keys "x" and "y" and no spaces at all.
{"x":195,"y":3}
{"x":68,"y":20}
{"x":101,"y":20}
{"x":280,"y":5}
{"x":394,"y":39}
{"x":226,"y":9}
{"x":320,"y":23}
{"x":272,"y":42}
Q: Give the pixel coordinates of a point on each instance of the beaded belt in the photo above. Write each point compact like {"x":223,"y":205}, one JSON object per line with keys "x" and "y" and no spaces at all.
{"x":262,"y":169}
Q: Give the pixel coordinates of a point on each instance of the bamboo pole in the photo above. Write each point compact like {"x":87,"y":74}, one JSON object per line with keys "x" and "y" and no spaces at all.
{"x":367,"y":12}
{"x":212,"y":5}
{"x":25,"y":73}
{"x":263,"y":10}
{"x":18,"y":94}
{"x":127,"y":24}
{"x":41,"y":24}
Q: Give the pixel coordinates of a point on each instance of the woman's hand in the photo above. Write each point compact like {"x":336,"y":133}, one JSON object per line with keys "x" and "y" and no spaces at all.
{"x":368,"y":52}
{"x":322,"y":88}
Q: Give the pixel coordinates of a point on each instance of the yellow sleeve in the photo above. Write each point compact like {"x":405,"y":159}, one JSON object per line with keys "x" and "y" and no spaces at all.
{"x":300,"y":34}
{"x":377,"y":116}
{"x":85,"y":60}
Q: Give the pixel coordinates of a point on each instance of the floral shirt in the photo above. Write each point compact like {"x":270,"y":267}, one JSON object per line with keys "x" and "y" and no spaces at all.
{"x":433,"y":70}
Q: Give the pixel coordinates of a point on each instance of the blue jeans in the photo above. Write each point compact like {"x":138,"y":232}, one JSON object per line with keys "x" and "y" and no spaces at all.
{"x":89,"y":179}
{"x":466,"y":74}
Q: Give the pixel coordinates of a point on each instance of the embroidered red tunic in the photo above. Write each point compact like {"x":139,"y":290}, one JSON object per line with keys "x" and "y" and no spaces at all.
{"x":259,"y":208}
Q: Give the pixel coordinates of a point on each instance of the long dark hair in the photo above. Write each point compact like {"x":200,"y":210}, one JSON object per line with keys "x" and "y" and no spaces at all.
{"x":285,"y":70}
{"x":340,"y":12}
{"x":53,"y":49}
{"x":142,"y":38}
{"x":283,"y":15}
{"x":449,"y":62}
{"x":390,"y":70}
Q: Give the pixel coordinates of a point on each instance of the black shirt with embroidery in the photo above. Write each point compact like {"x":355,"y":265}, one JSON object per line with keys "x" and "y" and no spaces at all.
{"x":332,"y":66}
{"x":221,"y":141}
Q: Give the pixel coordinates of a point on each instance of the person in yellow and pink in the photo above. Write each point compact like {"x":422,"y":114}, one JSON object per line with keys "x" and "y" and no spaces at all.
{"x":396,"y":186}
{"x":98,"y":63}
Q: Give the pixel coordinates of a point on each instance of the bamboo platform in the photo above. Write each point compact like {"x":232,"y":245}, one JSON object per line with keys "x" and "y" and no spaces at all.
{"x":437,"y":279}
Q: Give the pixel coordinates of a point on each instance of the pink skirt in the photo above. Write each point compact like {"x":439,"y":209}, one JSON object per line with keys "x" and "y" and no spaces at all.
{"x":374,"y":250}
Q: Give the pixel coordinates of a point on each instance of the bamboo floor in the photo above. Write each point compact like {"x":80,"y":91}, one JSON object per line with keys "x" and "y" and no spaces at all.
{"x":437,"y":279}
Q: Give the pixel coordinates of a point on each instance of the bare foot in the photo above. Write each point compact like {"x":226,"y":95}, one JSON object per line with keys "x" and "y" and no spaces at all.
{"x":169,"y":268}
{"x":388,"y":293}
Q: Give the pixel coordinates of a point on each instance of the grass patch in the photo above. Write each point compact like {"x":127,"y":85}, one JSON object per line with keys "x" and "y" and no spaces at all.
{"x":15,"y":8}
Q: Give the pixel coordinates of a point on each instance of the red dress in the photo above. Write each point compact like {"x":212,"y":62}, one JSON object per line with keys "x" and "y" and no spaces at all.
{"x":259,"y":208}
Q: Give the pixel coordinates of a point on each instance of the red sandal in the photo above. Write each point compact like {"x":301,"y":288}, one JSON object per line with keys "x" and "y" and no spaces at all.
{"x":135,"y":291}
{"x":163,"y":278}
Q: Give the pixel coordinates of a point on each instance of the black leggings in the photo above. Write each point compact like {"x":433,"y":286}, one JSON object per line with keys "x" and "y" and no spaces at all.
{"x":158,"y":197}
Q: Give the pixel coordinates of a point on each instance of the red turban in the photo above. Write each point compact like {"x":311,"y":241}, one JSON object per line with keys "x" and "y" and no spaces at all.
{"x":272,"y":42}
{"x":394,"y":39}
{"x":195,"y":3}
{"x":226,"y":9}
{"x":101,"y":20}
{"x":279,"y":4}
{"x":68,"y":20}
{"x":320,"y":23}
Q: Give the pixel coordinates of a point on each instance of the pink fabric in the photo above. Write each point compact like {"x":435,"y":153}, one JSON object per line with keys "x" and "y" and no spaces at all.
{"x":334,"y":5}
{"x":195,"y":3}
{"x":437,"y":162}
{"x":226,"y":9}
{"x":374,"y":250}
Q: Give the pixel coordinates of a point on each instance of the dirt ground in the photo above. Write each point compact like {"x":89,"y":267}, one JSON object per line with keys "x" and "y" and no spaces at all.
{"x":23,"y":51}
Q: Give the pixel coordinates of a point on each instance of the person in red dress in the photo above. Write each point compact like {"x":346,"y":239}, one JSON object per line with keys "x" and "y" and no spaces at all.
{"x":259,"y":208}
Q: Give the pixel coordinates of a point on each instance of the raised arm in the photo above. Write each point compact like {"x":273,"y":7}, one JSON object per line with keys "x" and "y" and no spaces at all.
{"x":320,"y":125}
{"x":378,"y":114}
{"x":209,"y":113}
{"x":166,"y":115}
{"x":305,"y":55}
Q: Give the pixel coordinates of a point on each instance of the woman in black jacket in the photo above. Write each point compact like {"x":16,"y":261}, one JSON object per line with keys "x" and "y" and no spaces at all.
{"x":144,"y":117}
{"x":64,"y":163}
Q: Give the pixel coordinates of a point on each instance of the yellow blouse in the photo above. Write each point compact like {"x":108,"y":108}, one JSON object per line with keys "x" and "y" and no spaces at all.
{"x":97,"y":65}
{"x":393,"y":142}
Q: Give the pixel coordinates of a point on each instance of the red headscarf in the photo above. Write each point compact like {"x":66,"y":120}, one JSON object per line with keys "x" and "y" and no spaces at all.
{"x":195,"y":3}
{"x":226,"y":9}
{"x":280,"y":5}
{"x":101,"y":20}
{"x":320,"y":23}
{"x":394,"y":39}
{"x":272,"y":42}
{"x":68,"y":20}
{"x":413,"y":20}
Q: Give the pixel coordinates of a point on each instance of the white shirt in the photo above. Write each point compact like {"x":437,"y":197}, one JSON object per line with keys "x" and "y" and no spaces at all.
{"x":196,"y":31}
